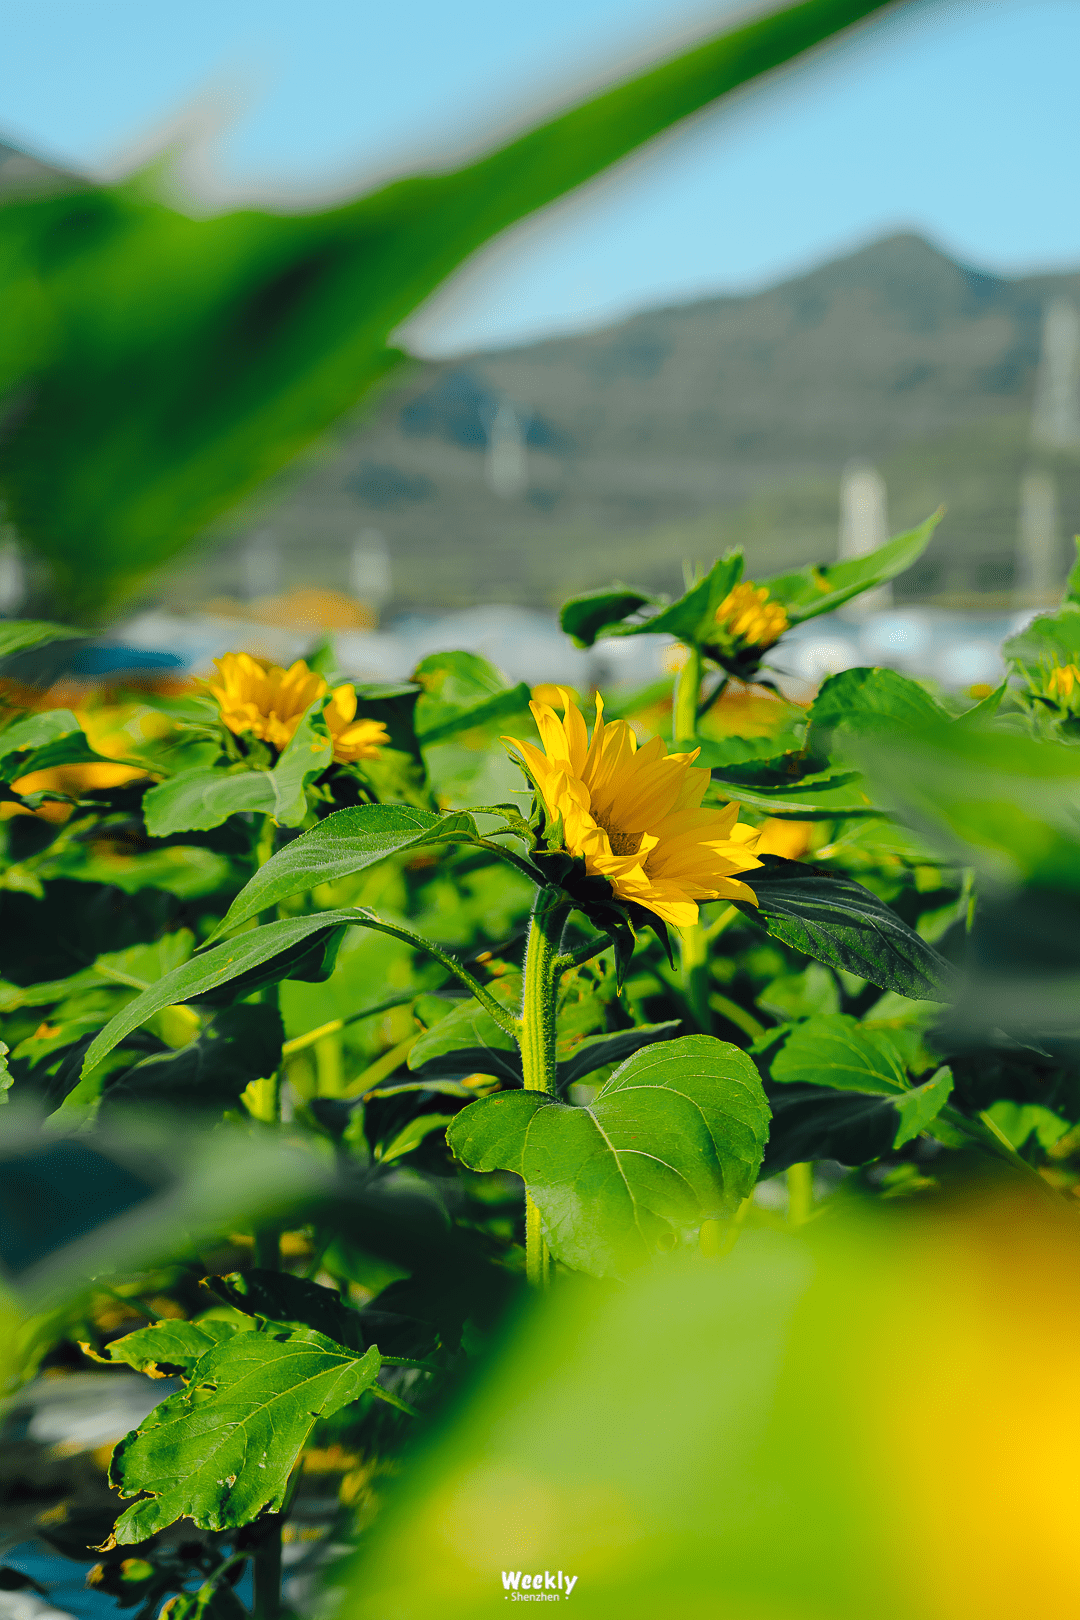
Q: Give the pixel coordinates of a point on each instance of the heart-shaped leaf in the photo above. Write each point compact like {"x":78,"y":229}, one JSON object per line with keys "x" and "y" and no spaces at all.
{"x":675,"y":1137}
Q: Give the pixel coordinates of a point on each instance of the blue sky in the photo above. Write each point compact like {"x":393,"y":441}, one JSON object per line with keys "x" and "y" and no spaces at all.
{"x":951,"y":117}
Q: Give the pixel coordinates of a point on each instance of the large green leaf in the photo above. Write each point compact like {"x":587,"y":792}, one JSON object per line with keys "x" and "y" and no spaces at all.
{"x":837,"y":921}
{"x":812,"y":590}
{"x":220,"y":1452}
{"x":35,"y":732}
{"x":835,"y":1050}
{"x":343,"y":843}
{"x":985,"y":796}
{"x":164,"y":364}
{"x":675,"y":1137}
{"x":868,"y":700}
{"x":236,"y":960}
{"x":197,"y":800}
{"x":460,"y":690}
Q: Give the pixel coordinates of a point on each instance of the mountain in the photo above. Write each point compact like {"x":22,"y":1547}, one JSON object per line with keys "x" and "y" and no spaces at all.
{"x":523,"y":474}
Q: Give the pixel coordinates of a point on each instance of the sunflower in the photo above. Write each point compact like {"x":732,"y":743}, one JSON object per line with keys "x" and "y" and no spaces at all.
{"x":748,"y":618}
{"x":634,"y":814}
{"x":269,"y":702}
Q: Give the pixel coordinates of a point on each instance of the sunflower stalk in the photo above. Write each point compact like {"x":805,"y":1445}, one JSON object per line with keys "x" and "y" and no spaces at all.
{"x":536,"y":1038}
{"x":684,"y":711}
{"x":693,"y":947}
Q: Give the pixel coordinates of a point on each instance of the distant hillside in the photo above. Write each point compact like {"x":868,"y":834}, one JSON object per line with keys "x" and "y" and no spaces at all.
{"x":684,"y":430}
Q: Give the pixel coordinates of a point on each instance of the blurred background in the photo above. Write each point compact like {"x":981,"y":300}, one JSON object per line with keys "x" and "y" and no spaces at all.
{"x":796,"y":325}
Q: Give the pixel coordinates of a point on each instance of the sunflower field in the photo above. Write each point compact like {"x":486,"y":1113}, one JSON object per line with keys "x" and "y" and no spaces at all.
{"x":617,"y":1148}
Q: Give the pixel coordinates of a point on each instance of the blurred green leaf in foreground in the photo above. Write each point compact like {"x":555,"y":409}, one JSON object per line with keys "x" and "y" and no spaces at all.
{"x":155,"y":367}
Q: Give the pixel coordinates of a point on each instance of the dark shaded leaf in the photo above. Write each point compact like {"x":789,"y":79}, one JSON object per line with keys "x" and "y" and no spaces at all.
{"x":839,"y":922}
{"x":588,"y":616}
{"x":278,"y":1297}
{"x":242,"y":1044}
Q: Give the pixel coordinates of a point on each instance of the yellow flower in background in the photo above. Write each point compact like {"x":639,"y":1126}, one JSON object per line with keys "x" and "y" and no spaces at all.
{"x":747,"y":616}
{"x":1062,"y":681}
{"x":269,"y":702}
{"x":634,"y":814}
{"x":353,"y":739}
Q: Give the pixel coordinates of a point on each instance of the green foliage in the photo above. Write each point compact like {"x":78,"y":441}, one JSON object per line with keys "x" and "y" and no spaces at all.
{"x":221,"y":1451}
{"x":845,"y":925}
{"x":609,"y":1201}
{"x":198,"y":800}
{"x":616,"y":611}
{"x":176,"y":362}
{"x":344,"y":843}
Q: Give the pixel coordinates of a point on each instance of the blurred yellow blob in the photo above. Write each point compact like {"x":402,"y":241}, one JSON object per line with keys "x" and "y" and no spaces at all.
{"x":788,"y":838}
{"x":875,"y":1418}
{"x":1062,"y":681}
{"x":634,"y":814}
{"x":545,"y":692}
{"x":268,"y":702}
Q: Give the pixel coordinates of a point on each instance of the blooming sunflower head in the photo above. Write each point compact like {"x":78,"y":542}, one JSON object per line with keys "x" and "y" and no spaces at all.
{"x":1062,"y":685}
{"x":634,"y":815}
{"x":268,"y":702}
{"x":747,"y":621}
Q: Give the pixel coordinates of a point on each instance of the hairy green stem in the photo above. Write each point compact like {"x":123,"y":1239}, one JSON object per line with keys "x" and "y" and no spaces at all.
{"x":687,"y":691}
{"x":536,"y":1037}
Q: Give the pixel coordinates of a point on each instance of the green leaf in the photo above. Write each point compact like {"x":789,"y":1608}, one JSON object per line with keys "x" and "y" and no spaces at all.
{"x":776,"y":787}
{"x":1018,"y":1121}
{"x":590,"y":615}
{"x":5,"y":1071}
{"x":469,"y":1041}
{"x":242,"y":1044}
{"x":245,"y":335}
{"x":1072,"y":584}
{"x":34,"y":732}
{"x":343,"y":843}
{"x":813,"y":590}
{"x":220,"y":1452}
{"x":411,"y":1135}
{"x":461,"y":690}
{"x":839,"y":922}
{"x":17,"y":635}
{"x":186,"y":871}
{"x":286,"y":945}
{"x":278,"y":1297}
{"x":168,"y":1343}
{"x":597,"y":1051}
{"x":920,"y":1106}
{"x":814,"y":1122}
{"x":690,"y":618}
{"x":1051,"y":638}
{"x":838,"y":1052}
{"x":196,"y":800}
{"x":985,"y":796}
{"x":835,"y":1050}
{"x":868,"y":700}
{"x":675,"y":1137}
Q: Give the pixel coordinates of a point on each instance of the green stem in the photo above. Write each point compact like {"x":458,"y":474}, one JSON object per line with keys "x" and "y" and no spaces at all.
{"x":536,"y":1037}
{"x":695,"y":974}
{"x":266,"y":1570}
{"x":687,"y":691}
{"x":800,"y":1183}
